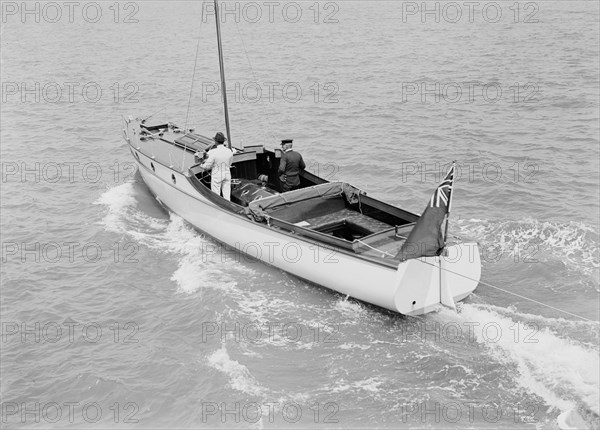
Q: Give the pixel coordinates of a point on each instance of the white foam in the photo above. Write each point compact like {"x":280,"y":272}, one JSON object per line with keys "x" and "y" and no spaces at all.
{"x":559,"y":370}
{"x":570,"y":420}
{"x":355,"y":346}
{"x":199,"y":265}
{"x":372,"y":385}
{"x":369,"y":384}
{"x":574,"y":243}
{"x":239,"y":376}
{"x":118,"y":199}
{"x":349,"y":307}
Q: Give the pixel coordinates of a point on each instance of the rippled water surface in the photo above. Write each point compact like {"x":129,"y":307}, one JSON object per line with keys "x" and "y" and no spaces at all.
{"x":118,"y":313}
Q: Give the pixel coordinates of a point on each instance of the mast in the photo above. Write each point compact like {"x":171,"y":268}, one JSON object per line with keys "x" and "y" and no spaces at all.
{"x":222,"y":67}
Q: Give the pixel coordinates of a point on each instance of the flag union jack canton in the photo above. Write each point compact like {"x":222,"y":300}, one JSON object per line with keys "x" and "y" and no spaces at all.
{"x":441,"y":196}
{"x":426,"y":238}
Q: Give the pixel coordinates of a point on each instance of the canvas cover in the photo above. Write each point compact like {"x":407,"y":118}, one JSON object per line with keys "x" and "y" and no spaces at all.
{"x":259,"y":209}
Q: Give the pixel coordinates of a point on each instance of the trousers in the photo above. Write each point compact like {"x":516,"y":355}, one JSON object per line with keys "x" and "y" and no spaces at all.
{"x":221,"y":184}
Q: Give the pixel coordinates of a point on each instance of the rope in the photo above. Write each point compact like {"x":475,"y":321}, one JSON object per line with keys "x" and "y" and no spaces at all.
{"x":510,"y":292}
{"x":534,"y":301}
{"x":486,"y":284}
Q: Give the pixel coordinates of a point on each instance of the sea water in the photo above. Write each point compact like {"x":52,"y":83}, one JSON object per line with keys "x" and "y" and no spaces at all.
{"x":116,"y":312}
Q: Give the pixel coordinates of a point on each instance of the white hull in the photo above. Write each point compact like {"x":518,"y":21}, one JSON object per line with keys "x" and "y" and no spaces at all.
{"x":326,"y":254}
{"x":412,"y":289}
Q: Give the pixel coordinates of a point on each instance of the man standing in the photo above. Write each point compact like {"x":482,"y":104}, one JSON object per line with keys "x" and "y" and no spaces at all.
{"x":290,"y":165}
{"x":219,"y":163}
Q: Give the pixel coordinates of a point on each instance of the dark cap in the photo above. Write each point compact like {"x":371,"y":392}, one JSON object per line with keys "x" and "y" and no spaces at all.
{"x":219,"y":138}
{"x":283,"y":142}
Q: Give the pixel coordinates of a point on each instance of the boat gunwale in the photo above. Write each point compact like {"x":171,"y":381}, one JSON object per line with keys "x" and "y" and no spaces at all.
{"x":212,"y":198}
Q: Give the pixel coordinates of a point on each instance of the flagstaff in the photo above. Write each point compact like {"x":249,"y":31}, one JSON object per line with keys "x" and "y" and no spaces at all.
{"x":450,"y":201}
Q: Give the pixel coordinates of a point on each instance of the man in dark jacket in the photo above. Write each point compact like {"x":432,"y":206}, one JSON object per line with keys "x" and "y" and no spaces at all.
{"x":290,"y":165}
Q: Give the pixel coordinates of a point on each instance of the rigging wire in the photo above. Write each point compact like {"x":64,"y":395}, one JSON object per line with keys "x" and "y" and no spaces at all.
{"x":189,"y":103}
{"x":192,"y":86}
{"x":269,"y":121}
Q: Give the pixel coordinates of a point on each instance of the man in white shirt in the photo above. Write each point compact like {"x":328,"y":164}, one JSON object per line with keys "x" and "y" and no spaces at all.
{"x":219,"y":163}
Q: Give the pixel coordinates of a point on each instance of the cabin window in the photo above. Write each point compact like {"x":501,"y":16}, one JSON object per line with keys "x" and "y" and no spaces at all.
{"x":152,"y":165}
{"x":173,"y":179}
